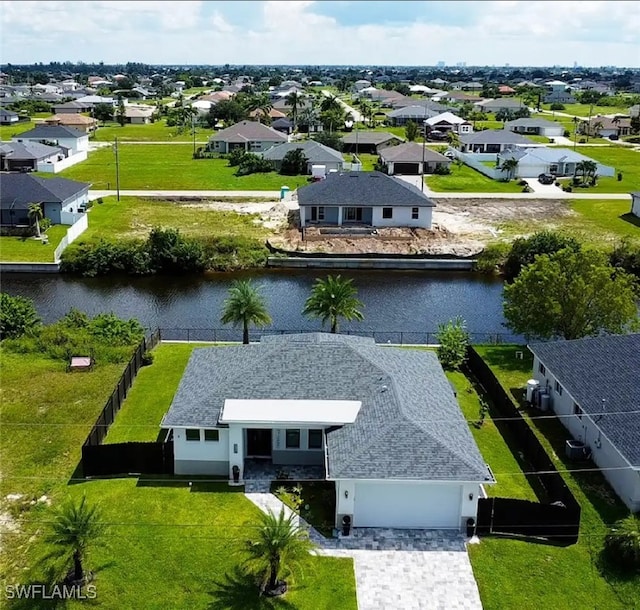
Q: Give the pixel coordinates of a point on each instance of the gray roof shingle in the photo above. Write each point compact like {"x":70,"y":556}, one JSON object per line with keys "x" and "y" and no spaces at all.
{"x":409,"y":427}
{"x":412,"y":152}
{"x":362,"y":188}
{"x":313,"y":151}
{"x":601,"y":368}
{"x":248,"y":131}
{"x":49,"y":132}
{"x":18,"y":191}
{"x":371,"y":137}
{"x":27,"y":150}
{"x":495,"y":136}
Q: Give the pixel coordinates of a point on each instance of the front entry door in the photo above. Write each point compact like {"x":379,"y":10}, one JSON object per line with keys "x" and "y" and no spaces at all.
{"x":258,"y":442}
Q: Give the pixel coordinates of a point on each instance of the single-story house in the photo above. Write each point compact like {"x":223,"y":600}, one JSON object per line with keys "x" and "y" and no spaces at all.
{"x":92,"y":100}
{"x":536,"y":127}
{"x":316,"y":154}
{"x":634,"y":111}
{"x":8,"y":117}
{"x":385,"y":97}
{"x":491,"y":141}
{"x":460,"y":97}
{"x":361,"y":84}
{"x":25,"y":156}
{"x":76,"y":121}
{"x":73,"y":107}
{"x":284,"y":125}
{"x":58,"y":197}
{"x":73,"y":140}
{"x":546,"y":160}
{"x":506,"y":90}
{"x":380,"y":422}
{"x":248,"y":135}
{"x":372,"y":142}
{"x":592,"y":385}
{"x":259,"y":113}
{"x":447,"y":121}
{"x":603,"y":127}
{"x":416,"y":113}
{"x":412,"y":158}
{"x":558,"y":93}
{"x":635,"y":203}
{"x":137,"y":115}
{"x":364,"y":198}
{"x":507,"y":104}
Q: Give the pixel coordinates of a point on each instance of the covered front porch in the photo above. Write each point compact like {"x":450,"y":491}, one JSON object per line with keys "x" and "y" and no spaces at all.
{"x":336,"y":215}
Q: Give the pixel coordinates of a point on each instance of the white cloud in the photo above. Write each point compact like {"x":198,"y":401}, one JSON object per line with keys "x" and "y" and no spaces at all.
{"x":519,"y":33}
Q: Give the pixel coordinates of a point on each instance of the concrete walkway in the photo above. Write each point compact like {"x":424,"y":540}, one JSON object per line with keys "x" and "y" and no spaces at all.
{"x":395,"y":569}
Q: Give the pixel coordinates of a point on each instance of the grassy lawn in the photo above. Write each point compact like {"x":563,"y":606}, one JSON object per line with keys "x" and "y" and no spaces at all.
{"x":368,"y":160}
{"x":21,"y":249}
{"x":168,"y":542}
{"x":576,"y":572}
{"x":582,"y":110}
{"x":467,"y":180}
{"x":623,"y":159}
{"x":135,"y":217}
{"x":153,"y":132}
{"x":157,"y":166}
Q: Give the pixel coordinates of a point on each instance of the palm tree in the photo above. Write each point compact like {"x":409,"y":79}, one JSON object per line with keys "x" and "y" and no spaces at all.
{"x":595,"y":130}
{"x":245,"y":306}
{"x":453,"y":138}
{"x":76,"y":526}
{"x":280,"y":546}
{"x":580,"y":169}
{"x":330,"y":103}
{"x":35,"y":215}
{"x":590,"y":169}
{"x":294,"y":100}
{"x":510,"y":166}
{"x":332,"y":299}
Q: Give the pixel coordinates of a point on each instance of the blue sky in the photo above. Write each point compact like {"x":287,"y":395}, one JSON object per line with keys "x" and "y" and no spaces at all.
{"x":591,"y":33}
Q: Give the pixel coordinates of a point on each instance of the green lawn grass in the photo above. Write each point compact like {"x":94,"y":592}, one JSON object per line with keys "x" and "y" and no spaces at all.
{"x":168,"y":544}
{"x":153,"y":132}
{"x":158,"y":166}
{"x":136,"y":216}
{"x":575,"y":571}
{"x":27,"y":249}
{"x":624,"y":159}
{"x":465,"y":179}
{"x":368,"y":160}
{"x":582,"y":110}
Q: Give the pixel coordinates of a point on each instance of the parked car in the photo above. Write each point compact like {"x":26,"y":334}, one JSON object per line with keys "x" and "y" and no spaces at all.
{"x":546,"y":179}
{"x":613,"y":136}
{"x":437,"y":135}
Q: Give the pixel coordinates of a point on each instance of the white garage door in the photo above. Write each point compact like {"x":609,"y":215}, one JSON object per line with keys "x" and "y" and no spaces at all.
{"x":406,"y":505}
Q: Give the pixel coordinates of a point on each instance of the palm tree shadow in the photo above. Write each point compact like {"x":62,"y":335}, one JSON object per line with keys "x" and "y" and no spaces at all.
{"x":237,"y":591}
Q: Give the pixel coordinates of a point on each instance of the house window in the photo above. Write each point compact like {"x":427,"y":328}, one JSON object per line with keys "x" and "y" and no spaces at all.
{"x":387,"y":213}
{"x":577,"y":410}
{"x":315,"y":439}
{"x":321,"y":212}
{"x":256,"y":145}
{"x":192,"y":434}
{"x":558,"y":388}
{"x":212,"y":435}
{"x":293,"y":439}
{"x":541,"y":369}
{"x":415,"y":213}
{"x":353,"y":214}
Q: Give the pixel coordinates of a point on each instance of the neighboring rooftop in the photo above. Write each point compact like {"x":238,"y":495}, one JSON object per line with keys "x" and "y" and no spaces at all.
{"x":370,"y":137}
{"x":495,"y":136}
{"x":21,"y":190}
{"x":248,"y":131}
{"x":412,"y":152}
{"x":314,"y":151}
{"x":51,"y":132}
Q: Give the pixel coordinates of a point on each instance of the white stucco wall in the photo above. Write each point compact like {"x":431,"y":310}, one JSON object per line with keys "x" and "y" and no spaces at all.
{"x":635,"y":206}
{"x":402,"y":217}
{"x":191,"y":457}
{"x":625,"y":480}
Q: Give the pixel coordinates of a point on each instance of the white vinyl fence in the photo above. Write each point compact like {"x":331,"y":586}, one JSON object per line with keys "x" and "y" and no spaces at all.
{"x":80,"y":225}
{"x":58,"y":166}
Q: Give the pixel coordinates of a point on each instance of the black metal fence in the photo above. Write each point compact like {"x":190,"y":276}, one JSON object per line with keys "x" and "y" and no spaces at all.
{"x":114,"y":402}
{"x":127,"y":458}
{"x":558,"y":518}
{"x":393,"y":337}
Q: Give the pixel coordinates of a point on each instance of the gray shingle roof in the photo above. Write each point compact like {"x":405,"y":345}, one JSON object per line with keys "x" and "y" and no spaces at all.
{"x":370,"y":137}
{"x":494,"y":136}
{"x":27,"y":150}
{"x":418,"y":113}
{"x":411,"y":152}
{"x":600,"y":368}
{"x":249,"y":131}
{"x":314,"y":151}
{"x":51,"y":132}
{"x":411,"y":430}
{"x":17,"y":191}
{"x":531,"y":122}
{"x":362,"y":188}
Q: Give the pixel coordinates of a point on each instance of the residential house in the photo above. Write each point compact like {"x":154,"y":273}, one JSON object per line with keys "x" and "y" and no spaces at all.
{"x":459,"y":98}
{"x":361,"y":84}
{"x":92,"y":100}
{"x":381,"y":423}
{"x":283,"y":125}
{"x":634,"y":111}
{"x":73,"y":107}
{"x":364,"y":198}
{"x":545,"y":160}
{"x":593,"y":388}
{"x":501,"y":104}
{"x":60,"y":198}
{"x":415,"y":113}
{"x":536,"y":127}
{"x":73,"y":140}
{"x":8,"y":117}
{"x":75,"y":121}
{"x":138,"y":115}
{"x":558,"y":93}
{"x":26,"y":156}
{"x":506,"y":90}
{"x":317,"y":154}
{"x":386,"y":98}
{"x":369,"y":141}
{"x":447,"y":121}
{"x":605,"y":127}
{"x":248,"y":135}
{"x":491,"y":141}
{"x":635,"y":204}
{"x":412,"y":158}
{"x":273,"y":113}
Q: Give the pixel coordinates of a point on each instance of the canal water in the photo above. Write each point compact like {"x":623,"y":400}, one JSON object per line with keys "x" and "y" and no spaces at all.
{"x":411,"y":303}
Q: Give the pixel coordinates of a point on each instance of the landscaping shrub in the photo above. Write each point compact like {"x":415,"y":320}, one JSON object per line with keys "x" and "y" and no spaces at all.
{"x":228,"y":252}
{"x":169,"y":252}
{"x":442,"y":170}
{"x":235,"y":157}
{"x":626,"y":255}
{"x":556,"y":106}
{"x":492,"y":258}
{"x":622,"y":544}
{"x":454,"y":340}
{"x":17,"y":316}
{"x":253,"y":164}
{"x":147,"y":359}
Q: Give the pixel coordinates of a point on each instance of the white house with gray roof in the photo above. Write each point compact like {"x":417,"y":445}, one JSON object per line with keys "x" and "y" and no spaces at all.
{"x":72,"y":140}
{"x":547,"y":160}
{"x":492,"y":141}
{"x":593,"y":385}
{"x":316,"y":154}
{"x":412,"y":158}
{"x":535,"y":127}
{"x":364,"y":199}
{"x":381,"y":422}
{"x":635,"y":204}
{"x":247,"y":135}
